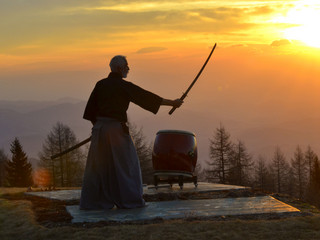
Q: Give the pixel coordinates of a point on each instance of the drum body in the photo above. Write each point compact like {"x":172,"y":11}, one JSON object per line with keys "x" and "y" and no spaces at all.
{"x":174,"y":151}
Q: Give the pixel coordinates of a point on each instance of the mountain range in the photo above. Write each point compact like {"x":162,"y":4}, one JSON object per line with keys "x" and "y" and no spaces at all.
{"x":31,"y":121}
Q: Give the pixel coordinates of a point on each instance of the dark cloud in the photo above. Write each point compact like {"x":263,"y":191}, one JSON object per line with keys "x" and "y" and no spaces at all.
{"x":150,"y":50}
{"x":280,"y":42}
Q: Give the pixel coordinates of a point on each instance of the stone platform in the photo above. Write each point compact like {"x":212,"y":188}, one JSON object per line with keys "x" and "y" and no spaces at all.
{"x":150,"y":192}
{"x":186,"y":209}
{"x":212,"y":200}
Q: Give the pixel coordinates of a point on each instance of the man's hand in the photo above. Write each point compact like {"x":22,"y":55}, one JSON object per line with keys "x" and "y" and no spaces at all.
{"x":177,"y":103}
{"x":174,"y":103}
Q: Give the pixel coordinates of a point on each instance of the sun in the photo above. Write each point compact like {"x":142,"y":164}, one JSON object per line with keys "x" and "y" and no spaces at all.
{"x":306,"y":18}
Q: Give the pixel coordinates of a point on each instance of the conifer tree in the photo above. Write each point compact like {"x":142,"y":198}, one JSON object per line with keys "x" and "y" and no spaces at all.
{"x":66,"y":170}
{"x":290,"y":180}
{"x":261,"y":174}
{"x":3,"y":162}
{"x":298,"y":164}
{"x":220,"y":153}
{"x":314,"y":190}
{"x":240,"y":165}
{"x":279,"y":166}
{"x":310,"y":157}
{"x":19,"y":170}
{"x":272,"y":178}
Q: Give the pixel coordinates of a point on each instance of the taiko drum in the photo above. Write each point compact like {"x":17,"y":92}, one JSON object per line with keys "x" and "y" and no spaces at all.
{"x":174,"y":151}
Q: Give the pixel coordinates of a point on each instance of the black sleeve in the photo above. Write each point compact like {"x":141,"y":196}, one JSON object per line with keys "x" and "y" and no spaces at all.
{"x":145,"y":99}
{"x":91,"y":110}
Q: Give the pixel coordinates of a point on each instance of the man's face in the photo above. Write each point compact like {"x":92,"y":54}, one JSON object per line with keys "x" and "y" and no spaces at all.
{"x":124,"y":70}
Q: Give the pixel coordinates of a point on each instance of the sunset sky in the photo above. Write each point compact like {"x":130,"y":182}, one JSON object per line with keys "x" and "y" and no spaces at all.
{"x":265,"y":69}
{"x":56,"y":49}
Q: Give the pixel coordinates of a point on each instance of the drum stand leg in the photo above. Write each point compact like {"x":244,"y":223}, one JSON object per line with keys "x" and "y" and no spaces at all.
{"x":181,"y":181}
{"x":170,"y":181}
{"x":155,"y":180}
{"x":195,"y":181}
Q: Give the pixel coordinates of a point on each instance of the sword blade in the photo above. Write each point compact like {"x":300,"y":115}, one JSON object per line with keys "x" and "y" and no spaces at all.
{"x":71,"y":148}
{"x":196,"y":78}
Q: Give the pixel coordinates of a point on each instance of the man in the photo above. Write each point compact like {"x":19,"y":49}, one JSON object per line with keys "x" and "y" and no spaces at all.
{"x":112,"y":175}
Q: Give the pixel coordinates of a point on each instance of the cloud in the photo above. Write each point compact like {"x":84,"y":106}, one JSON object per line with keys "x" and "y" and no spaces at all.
{"x":81,"y":25}
{"x":280,"y":42}
{"x":262,"y":10}
{"x":150,"y":50}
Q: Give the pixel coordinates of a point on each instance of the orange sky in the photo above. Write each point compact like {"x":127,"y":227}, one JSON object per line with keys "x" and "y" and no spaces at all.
{"x":54,"y":49}
{"x":264,"y":74}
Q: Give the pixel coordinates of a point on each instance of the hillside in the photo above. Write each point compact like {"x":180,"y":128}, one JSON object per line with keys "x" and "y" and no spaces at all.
{"x":31,"y":121}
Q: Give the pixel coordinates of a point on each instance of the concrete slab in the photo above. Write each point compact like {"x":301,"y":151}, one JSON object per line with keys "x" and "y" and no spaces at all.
{"x":185,"y":209}
{"x":219,"y":204}
{"x":148,"y":191}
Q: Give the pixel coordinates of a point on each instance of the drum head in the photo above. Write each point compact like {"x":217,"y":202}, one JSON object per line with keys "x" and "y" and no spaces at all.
{"x":175,"y":132}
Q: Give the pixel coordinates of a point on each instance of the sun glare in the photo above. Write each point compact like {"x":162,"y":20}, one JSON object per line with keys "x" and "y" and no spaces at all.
{"x":306,"y":18}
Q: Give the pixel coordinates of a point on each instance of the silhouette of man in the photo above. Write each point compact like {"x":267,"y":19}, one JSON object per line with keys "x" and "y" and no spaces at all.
{"x":112,"y":174}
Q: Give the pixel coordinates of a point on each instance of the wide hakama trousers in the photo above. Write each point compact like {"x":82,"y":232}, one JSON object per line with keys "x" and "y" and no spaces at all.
{"x":112,"y":174}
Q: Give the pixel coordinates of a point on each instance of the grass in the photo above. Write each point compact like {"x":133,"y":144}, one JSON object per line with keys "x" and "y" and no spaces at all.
{"x":17,"y":221}
{"x":5,"y":191}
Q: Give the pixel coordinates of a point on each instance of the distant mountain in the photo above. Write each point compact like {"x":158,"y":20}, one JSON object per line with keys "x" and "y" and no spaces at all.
{"x":31,"y":121}
{"x":28,"y":106}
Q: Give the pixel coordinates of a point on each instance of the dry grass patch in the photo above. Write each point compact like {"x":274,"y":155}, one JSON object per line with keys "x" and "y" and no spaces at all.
{"x":6,"y":191}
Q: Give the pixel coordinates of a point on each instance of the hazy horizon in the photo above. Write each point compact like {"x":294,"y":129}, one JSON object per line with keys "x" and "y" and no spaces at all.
{"x":32,"y":121}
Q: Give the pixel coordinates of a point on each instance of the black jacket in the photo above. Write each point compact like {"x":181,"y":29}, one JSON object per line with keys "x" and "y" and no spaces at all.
{"x":111,"y":97}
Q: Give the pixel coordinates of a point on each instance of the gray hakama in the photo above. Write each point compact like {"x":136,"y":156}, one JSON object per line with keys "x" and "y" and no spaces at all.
{"x":112,"y":175}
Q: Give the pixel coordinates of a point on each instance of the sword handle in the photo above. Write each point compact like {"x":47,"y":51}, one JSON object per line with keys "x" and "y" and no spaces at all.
{"x":184,"y":95}
{"x":172,"y":110}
